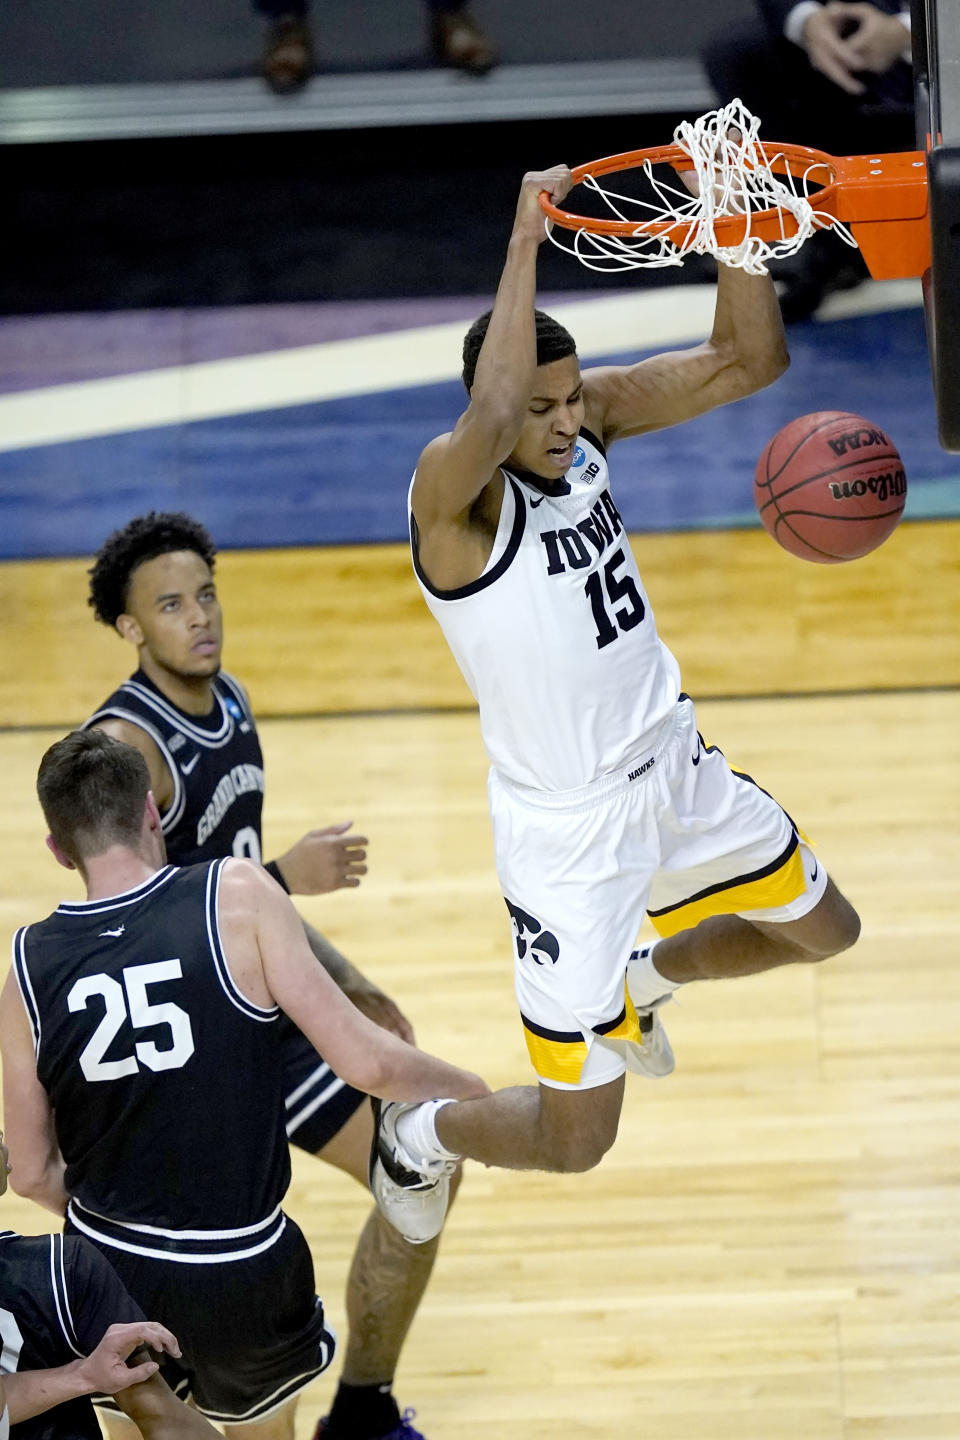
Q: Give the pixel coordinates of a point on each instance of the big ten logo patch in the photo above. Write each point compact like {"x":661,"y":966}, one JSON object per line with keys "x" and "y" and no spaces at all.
{"x":530,"y":935}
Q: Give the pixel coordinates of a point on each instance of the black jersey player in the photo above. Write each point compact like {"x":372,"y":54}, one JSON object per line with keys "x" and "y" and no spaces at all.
{"x":69,"y":1330}
{"x":153,"y":581}
{"x":143,"y":1078}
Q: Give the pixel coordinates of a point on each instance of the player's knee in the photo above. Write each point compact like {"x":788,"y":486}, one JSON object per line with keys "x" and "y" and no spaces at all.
{"x":581,"y":1150}
{"x":838,"y":934}
{"x":846,"y":929}
{"x":577,"y":1156}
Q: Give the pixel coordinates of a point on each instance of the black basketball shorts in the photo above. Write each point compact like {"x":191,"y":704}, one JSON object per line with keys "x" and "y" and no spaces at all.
{"x":251,"y":1330}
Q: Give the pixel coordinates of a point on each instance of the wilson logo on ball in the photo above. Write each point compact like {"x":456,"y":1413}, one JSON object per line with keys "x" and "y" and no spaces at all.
{"x":880,"y":485}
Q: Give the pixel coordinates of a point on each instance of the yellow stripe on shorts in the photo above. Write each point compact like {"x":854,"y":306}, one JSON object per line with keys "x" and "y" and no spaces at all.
{"x":776,"y":884}
{"x":560,"y":1054}
{"x":555,"y":1054}
{"x":626,"y":1026}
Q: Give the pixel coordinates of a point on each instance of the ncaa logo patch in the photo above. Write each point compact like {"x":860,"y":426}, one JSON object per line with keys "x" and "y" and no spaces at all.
{"x":579,"y":455}
{"x":234,"y":709}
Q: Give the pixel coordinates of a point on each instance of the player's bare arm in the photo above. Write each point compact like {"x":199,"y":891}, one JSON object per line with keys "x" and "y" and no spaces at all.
{"x":458,"y":488}
{"x":159,"y":1415}
{"x":37,"y":1166}
{"x":161,"y":781}
{"x":272,"y":964}
{"x":105,"y":1371}
{"x":746,"y":351}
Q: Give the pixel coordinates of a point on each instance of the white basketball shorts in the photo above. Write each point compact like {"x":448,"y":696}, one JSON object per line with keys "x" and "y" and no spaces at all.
{"x":677,"y":835}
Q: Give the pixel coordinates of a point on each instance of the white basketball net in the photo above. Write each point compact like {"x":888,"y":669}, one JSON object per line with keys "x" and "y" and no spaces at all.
{"x":734,"y":177}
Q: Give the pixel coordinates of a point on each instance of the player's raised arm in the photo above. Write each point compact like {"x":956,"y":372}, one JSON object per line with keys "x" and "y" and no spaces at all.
{"x":271,"y":963}
{"x":455,"y":468}
{"x":746,"y":351}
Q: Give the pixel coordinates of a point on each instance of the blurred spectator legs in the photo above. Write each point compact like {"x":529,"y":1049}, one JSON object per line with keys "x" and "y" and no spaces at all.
{"x":288,"y":59}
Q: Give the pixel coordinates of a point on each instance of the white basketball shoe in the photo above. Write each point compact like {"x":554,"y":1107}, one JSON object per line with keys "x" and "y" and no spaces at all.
{"x":412,"y":1197}
{"x":653,"y":1056}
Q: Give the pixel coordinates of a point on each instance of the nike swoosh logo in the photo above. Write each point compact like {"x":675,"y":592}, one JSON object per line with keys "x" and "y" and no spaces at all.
{"x":535,"y":503}
{"x":190,"y":765}
{"x":114,"y":934}
{"x":814,"y":872}
{"x":696,"y":758}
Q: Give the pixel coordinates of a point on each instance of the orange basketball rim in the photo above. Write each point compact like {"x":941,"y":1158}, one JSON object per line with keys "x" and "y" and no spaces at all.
{"x":881,"y":198}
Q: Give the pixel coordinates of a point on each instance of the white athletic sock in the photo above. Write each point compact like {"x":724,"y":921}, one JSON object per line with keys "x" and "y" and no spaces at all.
{"x":417,"y":1133}
{"x":644,"y":981}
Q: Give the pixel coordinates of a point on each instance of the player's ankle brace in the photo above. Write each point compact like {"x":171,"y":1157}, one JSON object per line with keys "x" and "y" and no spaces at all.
{"x":644,"y":981}
{"x":417,"y":1133}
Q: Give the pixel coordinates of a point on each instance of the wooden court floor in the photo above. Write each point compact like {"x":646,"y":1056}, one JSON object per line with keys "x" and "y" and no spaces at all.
{"x":771,"y":1251}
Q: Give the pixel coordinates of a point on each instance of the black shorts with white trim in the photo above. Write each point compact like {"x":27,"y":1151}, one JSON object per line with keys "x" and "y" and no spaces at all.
{"x":249,"y":1322}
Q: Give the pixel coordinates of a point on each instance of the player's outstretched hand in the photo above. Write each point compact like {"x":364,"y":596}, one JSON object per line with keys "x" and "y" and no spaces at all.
{"x":325,"y":860}
{"x":557,"y":182}
{"x":106,"y":1369}
{"x":378,"y":1007}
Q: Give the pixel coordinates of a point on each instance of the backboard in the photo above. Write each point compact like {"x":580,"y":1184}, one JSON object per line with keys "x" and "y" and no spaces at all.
{"x":936,"y":62}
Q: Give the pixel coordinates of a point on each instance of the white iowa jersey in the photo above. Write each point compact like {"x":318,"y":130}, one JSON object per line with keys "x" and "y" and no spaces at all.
{"x":556,"y":639}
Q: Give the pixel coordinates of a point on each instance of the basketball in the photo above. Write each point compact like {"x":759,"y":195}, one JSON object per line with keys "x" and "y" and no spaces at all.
{"x":830,"y":487}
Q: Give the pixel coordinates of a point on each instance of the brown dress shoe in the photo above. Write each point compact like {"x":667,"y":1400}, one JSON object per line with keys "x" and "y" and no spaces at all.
{"x":457,"y":40}
{"x":288,"y":55}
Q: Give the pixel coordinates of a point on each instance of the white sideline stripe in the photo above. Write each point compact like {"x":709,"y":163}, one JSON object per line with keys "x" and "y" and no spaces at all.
{"x":180,"y":394}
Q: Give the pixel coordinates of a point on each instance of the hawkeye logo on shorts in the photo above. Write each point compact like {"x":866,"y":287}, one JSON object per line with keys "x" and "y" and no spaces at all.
{"x":543,"y":946}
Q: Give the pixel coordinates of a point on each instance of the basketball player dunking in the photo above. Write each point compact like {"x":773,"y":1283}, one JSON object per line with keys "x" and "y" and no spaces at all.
{"x":605,"y":802}
{"x":153,"y":581}
{"x":143,"y":1075}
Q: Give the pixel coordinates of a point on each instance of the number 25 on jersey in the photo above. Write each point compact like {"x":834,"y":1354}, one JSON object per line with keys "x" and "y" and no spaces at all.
{"x":129,"y":1001}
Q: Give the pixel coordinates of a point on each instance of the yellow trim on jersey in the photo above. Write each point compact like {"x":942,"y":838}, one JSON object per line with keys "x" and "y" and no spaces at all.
{"x":786,"y":884}
{"x":556,"y":1059}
